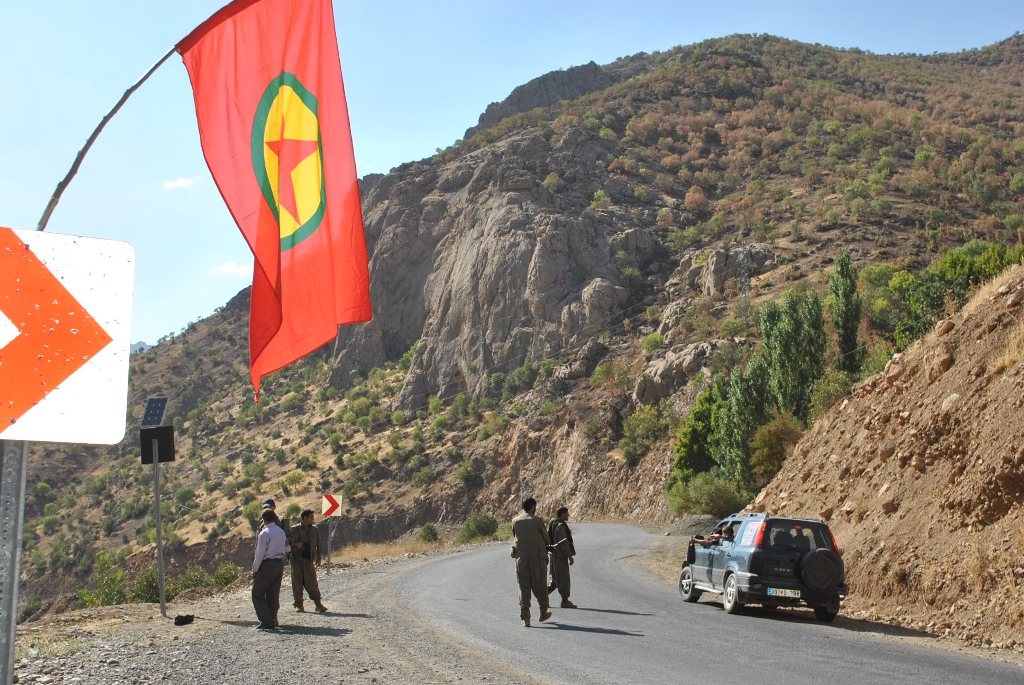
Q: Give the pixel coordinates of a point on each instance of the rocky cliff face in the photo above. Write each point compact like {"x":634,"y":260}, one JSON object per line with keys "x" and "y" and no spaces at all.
{"x":488,"y":268}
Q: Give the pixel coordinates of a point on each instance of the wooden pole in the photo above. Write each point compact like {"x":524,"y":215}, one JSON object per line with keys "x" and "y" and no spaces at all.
{"x":55,"y":198}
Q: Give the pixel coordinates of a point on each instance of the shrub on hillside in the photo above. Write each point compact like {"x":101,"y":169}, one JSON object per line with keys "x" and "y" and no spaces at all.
{"x":705,"y":493}
{"x":428,"y":533}
{"x":477,"y":527}
{"x":639,"y":432}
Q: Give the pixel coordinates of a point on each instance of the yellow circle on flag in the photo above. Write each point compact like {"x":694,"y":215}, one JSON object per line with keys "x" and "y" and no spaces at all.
{"x":288,"y":160}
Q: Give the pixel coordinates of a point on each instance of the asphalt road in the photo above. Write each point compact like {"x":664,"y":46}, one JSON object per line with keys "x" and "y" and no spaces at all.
{"x":631,"y":627}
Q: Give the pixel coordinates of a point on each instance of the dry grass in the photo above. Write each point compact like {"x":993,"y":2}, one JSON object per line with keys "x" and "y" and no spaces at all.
{"x":977,"y":563}
{"x":368,"y":551}
{"x":1012,"y":353}
{"x":45,"y":647}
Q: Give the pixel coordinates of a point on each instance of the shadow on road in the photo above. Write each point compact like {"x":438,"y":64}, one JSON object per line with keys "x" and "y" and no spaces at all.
{"x":587,"y":629}
{"x":285,"y":629}
{"x":855,"y":625}
{"x":611,"y":611}
{"x":313,"y":631}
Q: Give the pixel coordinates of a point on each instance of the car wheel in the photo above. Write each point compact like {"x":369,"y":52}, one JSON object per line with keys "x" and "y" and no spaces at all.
{"x":686,"y":589}
{"x":827,"y":611}
{"x":731,"y":595}
{"x":822,"y":570}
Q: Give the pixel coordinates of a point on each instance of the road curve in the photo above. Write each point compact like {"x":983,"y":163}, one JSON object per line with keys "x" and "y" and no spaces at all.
{"x":633,"y":628}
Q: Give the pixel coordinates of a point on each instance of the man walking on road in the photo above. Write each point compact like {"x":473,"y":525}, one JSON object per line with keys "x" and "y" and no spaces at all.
{"x":531,"y":552}
{"x":562,"y":553}
{"x":267,"y":570}
{"x":305,"y":558}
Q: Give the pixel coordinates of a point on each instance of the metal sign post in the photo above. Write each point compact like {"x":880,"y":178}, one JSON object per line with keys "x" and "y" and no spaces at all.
{"x":330,"y":535}
{"x":14,"y":467}
{"x":151,"y":435}
{"x":159,"y":526}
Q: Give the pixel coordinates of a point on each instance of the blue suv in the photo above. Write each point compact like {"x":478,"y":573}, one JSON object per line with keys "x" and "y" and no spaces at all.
{"x":768,"y":560}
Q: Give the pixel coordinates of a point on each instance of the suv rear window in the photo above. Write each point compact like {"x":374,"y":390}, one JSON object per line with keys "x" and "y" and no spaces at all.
{"x":793,"y":535}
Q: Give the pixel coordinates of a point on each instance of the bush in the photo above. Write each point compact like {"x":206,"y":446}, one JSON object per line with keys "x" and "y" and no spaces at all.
{"x":428,"y":533}
{"x":423,"y":476}
{"x":194,"y":577}
{"x":50,"y":523}
{"x":468,"y":475}
{"x":145,"y":587}
{"x":705,"y":493}
{"x":107,"y":584}
{"x":827,"y":390}
{"x":226,"y":574}
{"x":639,"y":432}
{"x":478,"y":526}
{"x":653,"y":342}
{"x":602,"y":373}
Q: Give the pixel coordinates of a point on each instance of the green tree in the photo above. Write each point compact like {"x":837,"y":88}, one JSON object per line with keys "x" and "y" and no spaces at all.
{"x":793,"y":342}
{"x":695,"y":437}
{"x":749,"y":405}
{"x":846,"y":307}
{"x":771,"y":444}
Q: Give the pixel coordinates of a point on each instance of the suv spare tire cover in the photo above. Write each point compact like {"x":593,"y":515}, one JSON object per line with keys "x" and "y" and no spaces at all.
{"x":821,"y":569}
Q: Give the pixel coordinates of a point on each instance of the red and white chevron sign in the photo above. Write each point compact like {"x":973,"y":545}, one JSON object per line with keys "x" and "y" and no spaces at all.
{"x":65,"y":324}
{"x":330,"y":506}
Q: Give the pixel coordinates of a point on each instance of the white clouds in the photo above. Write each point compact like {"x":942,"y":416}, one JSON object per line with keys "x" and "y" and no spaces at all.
{"x":233,"y":269}
{"x":180,"y":183}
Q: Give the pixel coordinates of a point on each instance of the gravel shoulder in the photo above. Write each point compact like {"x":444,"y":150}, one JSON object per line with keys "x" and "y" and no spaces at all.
{"x":365,"y":637}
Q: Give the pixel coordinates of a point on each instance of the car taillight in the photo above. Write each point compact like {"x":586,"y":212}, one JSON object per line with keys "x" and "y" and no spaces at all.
{"x":835,"y":545}
{"x":759,"y":536}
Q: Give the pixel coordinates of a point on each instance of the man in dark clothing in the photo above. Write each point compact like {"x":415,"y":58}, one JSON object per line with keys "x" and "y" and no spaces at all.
{"x":562,"y":555}
{"x":305,"y":543}
{"x":531,"y":552}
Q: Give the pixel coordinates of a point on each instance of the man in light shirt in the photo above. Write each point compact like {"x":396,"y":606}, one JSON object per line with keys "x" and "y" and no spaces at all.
{"x":267,"y":570}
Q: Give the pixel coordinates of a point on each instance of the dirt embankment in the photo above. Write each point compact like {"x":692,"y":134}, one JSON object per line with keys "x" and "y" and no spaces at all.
{"x":920,"y":474}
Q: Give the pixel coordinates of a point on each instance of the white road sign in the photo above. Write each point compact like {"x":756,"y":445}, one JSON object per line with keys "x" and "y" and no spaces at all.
{"x":65,"y":337}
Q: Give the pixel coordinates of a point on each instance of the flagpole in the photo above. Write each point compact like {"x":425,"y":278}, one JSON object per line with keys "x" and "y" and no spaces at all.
{"x":92,"y":138}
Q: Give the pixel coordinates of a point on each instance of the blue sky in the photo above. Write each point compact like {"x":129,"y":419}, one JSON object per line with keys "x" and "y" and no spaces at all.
{"x":417,"y":75}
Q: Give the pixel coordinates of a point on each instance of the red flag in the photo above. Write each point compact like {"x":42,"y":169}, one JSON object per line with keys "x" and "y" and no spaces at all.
{"x":274,"y":127}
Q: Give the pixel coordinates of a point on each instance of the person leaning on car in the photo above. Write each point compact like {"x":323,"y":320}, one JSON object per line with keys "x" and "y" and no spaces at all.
{"x":717,"y":535}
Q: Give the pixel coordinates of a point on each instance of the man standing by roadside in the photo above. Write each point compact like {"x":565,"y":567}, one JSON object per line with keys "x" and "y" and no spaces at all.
{"x":267,"y":570}
{"x":562,"y":554}
{"x":531,"y":553}
{"x":305,"y":558}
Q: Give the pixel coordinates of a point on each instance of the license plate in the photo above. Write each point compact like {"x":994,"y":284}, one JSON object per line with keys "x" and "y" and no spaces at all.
{"x":781,"y":592}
